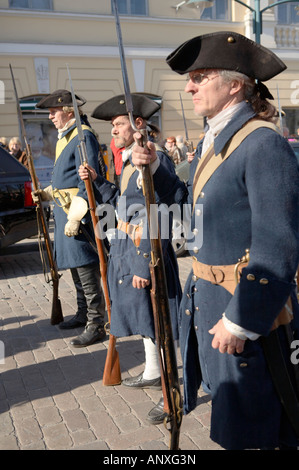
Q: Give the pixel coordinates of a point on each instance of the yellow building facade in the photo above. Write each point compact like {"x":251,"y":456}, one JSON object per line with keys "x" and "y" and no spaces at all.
{"x":39,"y":38}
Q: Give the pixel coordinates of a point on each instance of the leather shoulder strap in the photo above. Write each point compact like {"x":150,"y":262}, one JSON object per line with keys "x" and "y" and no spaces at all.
{"x":127,"y":172}
{"x":209,"y":163}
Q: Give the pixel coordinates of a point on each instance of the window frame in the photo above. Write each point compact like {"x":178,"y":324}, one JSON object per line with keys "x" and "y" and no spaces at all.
{"x":213,"y":8}
{"x":286,"y":10}
{"x":129,"y":12}
{"x":29,"y":7}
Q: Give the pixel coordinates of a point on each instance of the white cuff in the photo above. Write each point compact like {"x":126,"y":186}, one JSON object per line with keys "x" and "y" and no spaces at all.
{"x":238,"y":331}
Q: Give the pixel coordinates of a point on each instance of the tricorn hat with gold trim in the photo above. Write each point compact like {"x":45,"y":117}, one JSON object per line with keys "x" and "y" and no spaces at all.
{"x":227,"y":51}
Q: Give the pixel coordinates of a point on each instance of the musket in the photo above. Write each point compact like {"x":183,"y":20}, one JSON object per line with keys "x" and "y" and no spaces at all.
{"x":112,"y":373}
{"x":189,"y":144}
{"x":159,"y":291}
{"x":56,"y":314}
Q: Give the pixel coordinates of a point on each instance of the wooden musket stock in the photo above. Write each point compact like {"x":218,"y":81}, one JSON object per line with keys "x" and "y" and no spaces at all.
{"x":112,"y":372}
{"x":56,"y":314}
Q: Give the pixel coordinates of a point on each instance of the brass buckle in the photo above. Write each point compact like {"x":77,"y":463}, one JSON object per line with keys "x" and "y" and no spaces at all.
{"x":214,"y":271}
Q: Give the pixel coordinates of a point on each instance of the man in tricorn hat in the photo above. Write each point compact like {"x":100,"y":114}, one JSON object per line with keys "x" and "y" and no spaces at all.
{"x":244,"y":186}
{"x":130,"y":251}
{"x":72,"y":247}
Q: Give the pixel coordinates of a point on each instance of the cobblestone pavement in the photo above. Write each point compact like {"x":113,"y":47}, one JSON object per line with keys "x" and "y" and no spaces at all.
{"x":51,"y":394}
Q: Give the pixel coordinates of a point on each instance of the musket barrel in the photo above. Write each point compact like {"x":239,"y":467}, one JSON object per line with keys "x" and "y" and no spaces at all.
{"x":112,"y":373}
{"x":159,"y":298}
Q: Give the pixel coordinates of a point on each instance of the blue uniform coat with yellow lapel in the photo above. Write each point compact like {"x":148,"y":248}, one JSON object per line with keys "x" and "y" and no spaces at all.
{"x":131,"y":310}
{"x":250,"y":202}
{"x":72,"y":252}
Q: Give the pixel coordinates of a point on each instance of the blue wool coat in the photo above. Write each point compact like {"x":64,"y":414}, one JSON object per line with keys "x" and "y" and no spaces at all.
{"x":250,"y":202}
{"x":131,"y":310}
{"x":72,"y":252}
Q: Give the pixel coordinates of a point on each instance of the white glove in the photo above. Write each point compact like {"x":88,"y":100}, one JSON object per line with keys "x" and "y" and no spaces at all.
{"x":78,"y":209}
{"x":45,"y":194}
{"x":72,"y":228}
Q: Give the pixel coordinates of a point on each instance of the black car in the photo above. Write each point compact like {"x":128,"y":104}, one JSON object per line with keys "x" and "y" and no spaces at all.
{"x":17,"y":210}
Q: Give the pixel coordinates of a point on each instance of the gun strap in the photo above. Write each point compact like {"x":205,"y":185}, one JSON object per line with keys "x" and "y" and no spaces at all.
{"x":41,"y":247}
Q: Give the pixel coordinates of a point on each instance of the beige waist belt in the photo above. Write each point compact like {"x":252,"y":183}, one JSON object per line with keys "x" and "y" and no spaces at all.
{"x":224,"y":275}
{"x":133,"y":231}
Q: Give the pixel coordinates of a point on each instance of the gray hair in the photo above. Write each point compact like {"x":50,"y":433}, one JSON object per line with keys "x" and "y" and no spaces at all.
{"x":263,"y":108}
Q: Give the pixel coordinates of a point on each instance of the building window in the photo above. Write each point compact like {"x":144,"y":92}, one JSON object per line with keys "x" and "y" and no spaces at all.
{"x":287,"y":13}
{"x":218,"y":11}
{"x":32,"y":4}
{"x":132,"y":7}
{"x":291,"y":122}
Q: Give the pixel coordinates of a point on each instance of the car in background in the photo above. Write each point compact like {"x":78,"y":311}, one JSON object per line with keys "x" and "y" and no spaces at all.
{"x":17,"y":210}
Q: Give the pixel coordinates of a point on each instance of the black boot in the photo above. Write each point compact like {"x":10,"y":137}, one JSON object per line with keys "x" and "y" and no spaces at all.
{"x":90,"y":335}
{"x":75,"y":322}
{"x":157,"y":414}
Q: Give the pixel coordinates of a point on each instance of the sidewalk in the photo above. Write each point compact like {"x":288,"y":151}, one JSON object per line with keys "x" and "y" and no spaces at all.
{"x":51,"y":395}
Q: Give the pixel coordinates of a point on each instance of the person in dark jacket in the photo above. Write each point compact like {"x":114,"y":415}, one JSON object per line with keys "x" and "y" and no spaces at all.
{"x":15,"y":149}
{"x":130,"y":250}
{"x":243,"y":192}
{"x":73,"y":231}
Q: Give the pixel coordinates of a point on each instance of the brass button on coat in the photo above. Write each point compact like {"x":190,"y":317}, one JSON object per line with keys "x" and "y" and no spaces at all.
{"x":264,"y":281}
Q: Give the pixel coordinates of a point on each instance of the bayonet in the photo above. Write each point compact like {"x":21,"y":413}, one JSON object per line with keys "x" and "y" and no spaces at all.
{"x":189,"y":144}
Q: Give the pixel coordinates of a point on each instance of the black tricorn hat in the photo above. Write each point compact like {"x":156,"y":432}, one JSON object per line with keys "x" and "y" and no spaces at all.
{"x":58,"y":99}
{"x":226,"y":50}
{"x":142,"y":106}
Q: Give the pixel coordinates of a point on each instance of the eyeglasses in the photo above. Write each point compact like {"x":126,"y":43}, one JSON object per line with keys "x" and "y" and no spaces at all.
{"x":200,"y":78}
